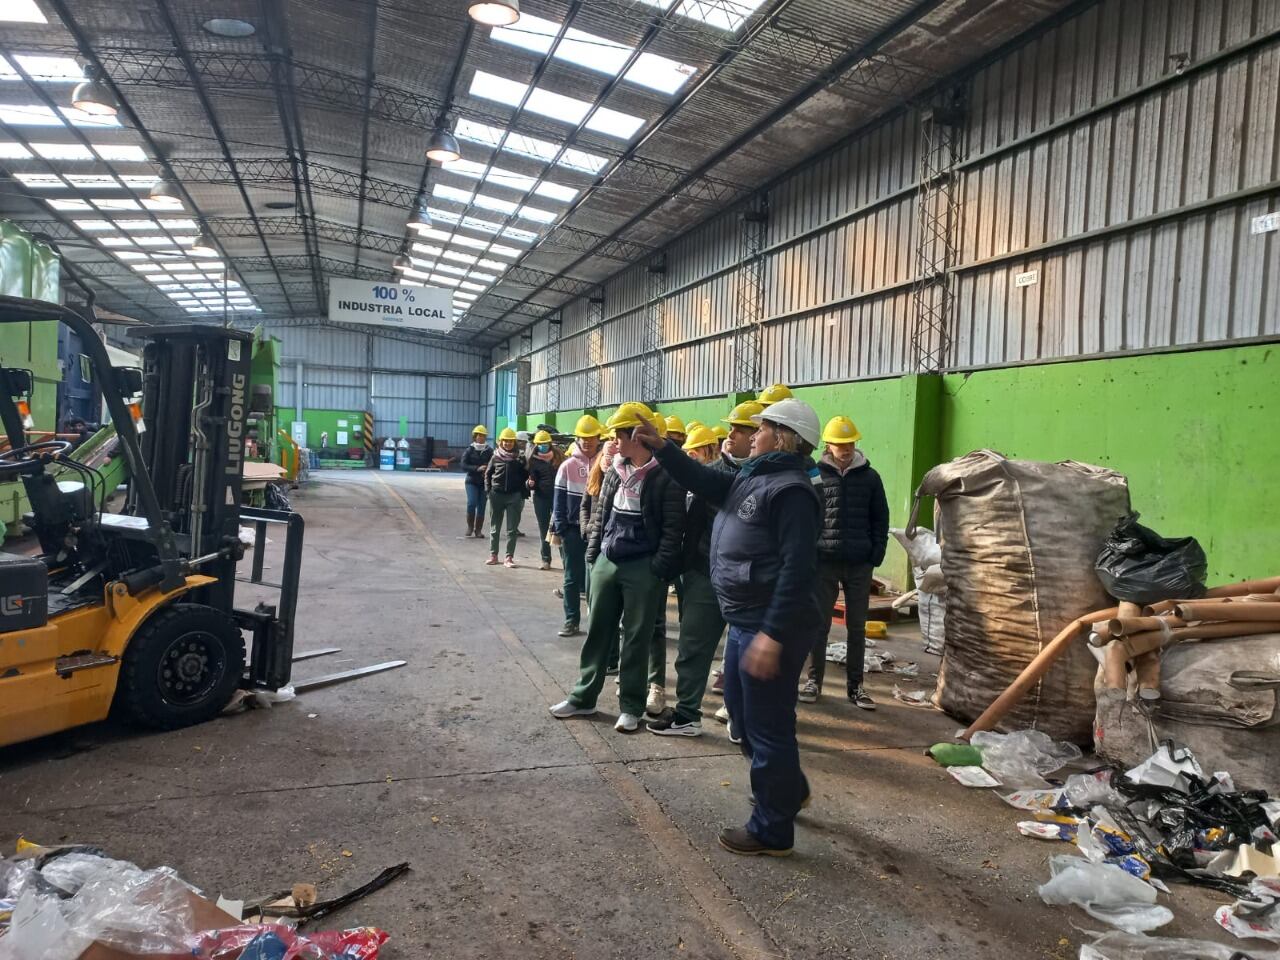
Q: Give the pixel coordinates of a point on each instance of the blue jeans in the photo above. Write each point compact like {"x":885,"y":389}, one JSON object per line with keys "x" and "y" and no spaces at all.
{"x":475,"y":500}
{"x":764,"y":715}
{"x":573,"y":554}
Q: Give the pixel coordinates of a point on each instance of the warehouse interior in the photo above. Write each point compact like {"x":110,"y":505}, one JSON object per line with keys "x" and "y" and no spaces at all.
{"x":288,"y":288}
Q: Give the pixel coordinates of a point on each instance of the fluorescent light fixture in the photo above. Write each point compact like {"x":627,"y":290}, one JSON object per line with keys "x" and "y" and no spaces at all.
{"x":93,"y":96}
{"x":494,"y":13}
{"x":596,"y":53}
{"x":443,"y":145}
{"x":557,"y":106}
{"x":530,"y":147}
{"x":509,"y":178}
{"x":127,"y":152}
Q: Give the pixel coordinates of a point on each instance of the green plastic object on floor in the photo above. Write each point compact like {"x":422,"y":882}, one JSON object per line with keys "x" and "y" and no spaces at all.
{"x":956,"y":754}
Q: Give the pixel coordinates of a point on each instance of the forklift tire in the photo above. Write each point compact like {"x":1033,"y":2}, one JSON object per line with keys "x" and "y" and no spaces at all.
{"x":181,"y":667}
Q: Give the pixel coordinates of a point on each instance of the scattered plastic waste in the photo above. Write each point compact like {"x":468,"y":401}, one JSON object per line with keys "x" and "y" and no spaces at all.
{"x":268,"y":698}
{"x":1084,"y":790}
{"x":1167,"y":767}
{"x":973,"y":776}
{"x":1023,"y":758}
{"x":280,"y":942}
{"x":1105,"y":892}
{"x":1048,"y":830}
{"x":916,"y":698}
{"x":1256,"y":915}
{"x":1131,"y":946}
{"x":1036,"y":800}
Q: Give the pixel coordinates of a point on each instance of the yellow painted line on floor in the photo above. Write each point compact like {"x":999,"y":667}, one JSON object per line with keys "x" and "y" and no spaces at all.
{"x":741,"y":932}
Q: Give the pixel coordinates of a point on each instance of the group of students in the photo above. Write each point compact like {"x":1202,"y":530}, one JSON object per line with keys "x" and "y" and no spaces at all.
{"x":751,"y":533}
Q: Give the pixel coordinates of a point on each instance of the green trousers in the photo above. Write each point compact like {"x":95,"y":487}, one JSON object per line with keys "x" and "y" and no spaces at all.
{"x":508,"y":506}
{"x":626,"y":591}
{"x":701,"y":626}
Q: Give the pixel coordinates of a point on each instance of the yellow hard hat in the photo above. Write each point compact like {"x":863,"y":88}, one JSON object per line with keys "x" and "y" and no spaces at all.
{"x":542,"y":437}
{"x":659,"y":424}
{"x":507,"y":434}
{"x":629,"y":415}
{"x":588,"y":426}
{"x":720,"y":432}
{"x":700,"y":436}
{"x":779,"y":391}
{"x":740,"y":416}
{"x":480,"y":429}
{"x":693,"y":423}
{"x":674,"y":425}
{"x":840,"y":430}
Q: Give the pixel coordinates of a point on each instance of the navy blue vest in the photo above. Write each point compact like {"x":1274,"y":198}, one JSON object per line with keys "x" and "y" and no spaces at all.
{"x":744,"y":558}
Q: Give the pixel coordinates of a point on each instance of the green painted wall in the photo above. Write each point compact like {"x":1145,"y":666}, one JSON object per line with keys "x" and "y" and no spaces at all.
{"x":1194,"y":432}
{"x":323,"y":420}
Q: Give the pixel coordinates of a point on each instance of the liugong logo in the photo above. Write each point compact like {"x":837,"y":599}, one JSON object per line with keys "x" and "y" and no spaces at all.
{"x":12,"y":606}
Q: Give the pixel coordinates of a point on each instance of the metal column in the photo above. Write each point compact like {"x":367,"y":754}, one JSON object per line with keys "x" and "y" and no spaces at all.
{"x":651,"y":347}
{"x":937,"y":224}
{"x":748,"y":343}
{"x":595,"y":349}
{"x":553,"y":363}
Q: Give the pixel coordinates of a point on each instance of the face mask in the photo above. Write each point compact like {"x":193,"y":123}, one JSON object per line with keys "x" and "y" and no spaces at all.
{"x":544,"y":448}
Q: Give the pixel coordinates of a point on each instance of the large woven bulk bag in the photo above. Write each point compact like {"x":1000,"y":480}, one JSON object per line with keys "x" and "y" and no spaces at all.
{"x":1019,"y":540}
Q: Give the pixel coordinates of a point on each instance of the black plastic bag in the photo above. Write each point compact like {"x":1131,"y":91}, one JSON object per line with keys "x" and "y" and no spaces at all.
{"x":1138,"y":565}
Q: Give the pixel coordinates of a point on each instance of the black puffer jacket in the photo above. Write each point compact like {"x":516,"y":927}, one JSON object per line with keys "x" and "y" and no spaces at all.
{"x":700,"y":517}
{"x":662,"y":504}
{"x":855,"y":514}
{"x":506,"y":476}
{"x":544,"y":477}
{"x":474,"y":461}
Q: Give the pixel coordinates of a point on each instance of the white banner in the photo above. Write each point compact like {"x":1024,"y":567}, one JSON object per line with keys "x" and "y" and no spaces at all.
{"x":390,"y":304}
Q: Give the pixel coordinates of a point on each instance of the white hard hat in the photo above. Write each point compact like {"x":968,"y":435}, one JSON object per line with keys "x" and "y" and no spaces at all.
{"x":522,"y":434}
{"x":797,"y":415}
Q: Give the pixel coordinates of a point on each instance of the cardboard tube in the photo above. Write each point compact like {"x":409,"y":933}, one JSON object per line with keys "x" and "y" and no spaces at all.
{"x":1114,"y":669}
{"x":1126,"y":610}
{"x":1155,"y":609}
{"x":1118,"y":627}
{"x":1147,"y":668}
{"x":1141,"y":643}
{"x":1270,"y":585}
{"x":1239,"y":610}
{"x":1033,"y":671}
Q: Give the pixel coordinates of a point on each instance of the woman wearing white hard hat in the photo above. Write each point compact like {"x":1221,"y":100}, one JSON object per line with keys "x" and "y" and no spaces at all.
{"x":763,"y":566}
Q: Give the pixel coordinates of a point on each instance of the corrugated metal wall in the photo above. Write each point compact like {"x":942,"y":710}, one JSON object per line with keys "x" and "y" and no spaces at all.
{"x":433,"y":386}
{"x":1120,"y":156}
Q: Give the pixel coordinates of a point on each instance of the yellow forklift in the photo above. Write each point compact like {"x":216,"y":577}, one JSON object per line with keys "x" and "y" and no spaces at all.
{"x":136,"y":609}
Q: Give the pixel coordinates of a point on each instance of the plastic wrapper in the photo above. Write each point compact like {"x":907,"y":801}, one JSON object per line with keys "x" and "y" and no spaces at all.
{"x":1106,"y":892}
{"x":926,"y":569}
{"x":1084,"y":790}
{"x":114,"y":903}
{"x":278,"y":942}
{"x":1138,"y":565}
{"x":1128,"y":946}
{"x":1023,"y":758}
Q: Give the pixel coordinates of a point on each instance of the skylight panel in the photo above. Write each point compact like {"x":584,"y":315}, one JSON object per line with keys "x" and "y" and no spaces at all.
{"x":465,"y":285}
{"x":47,"y":68}
{"x":29,"y":114}
{"x":492,"y":264}
{"x":557,"y":106}
{"x":531,"y":147}
{"x":62,"y":151}
{"x":115,"y":203}
{"x":162,"y":203}
{"x":446,"y":281}
{"x":78,"y":118}
{"x":94,"y":224}
{"x":509,"y":178}
{"x":69,"y":204}
{"x":40,"y":181}
{"x":146,"y":267}
{"x":538,"y":214}
{"x":486,"y":277}
{"x":130,"y":255}
{"x":13,"y":151}
{"x":459,"y":257}
{"x":595,"y":53}
{"x":450,"y":268}
{"x":21,"y":11}
{"x":723,"y":14}
{"x":127,"y":152}
{"x":115,"y":241}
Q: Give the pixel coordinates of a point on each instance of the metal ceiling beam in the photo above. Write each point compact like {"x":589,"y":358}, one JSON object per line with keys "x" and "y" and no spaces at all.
{"x":248,"y":75}
{"x":370,"y":51}
{"x":848,"y":62}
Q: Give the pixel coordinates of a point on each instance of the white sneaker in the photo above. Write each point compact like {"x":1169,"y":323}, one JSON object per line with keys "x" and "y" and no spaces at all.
{"x":627,"y":723}
{"x":657,"y":701}
{"x":722,"y":714}
{"x":567,"y":708}
{"x":809,"y":692}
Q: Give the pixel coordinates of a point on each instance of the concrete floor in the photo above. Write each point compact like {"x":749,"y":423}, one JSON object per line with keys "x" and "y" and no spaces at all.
{"x":531,"y":837}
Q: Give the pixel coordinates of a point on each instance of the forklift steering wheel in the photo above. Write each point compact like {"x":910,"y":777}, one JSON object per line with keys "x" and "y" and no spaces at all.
{"x":30,"y":458}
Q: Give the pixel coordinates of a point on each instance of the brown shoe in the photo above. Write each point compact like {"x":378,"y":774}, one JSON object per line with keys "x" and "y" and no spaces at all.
{"x":742,"y":842}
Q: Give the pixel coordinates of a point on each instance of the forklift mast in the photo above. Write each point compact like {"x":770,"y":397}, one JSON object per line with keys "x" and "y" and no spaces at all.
{"x":195,"y":403}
